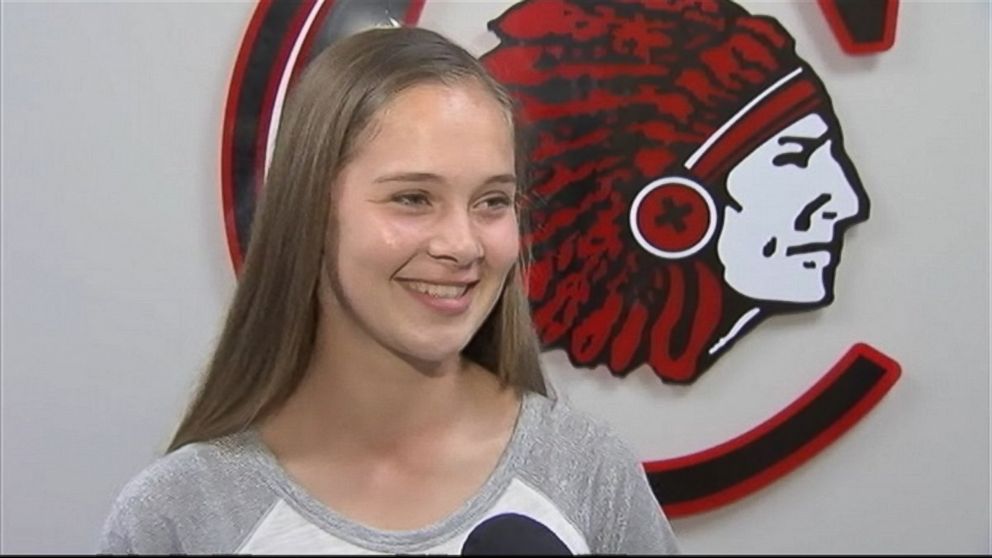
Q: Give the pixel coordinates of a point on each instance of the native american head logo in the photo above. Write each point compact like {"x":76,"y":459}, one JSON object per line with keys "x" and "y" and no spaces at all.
{"x":689,"y":177}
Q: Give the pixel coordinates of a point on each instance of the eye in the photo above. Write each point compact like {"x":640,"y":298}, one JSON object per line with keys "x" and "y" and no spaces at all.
{"x":807,"y":147}
{"x":412,"y":199}
{"x":496,"y":203}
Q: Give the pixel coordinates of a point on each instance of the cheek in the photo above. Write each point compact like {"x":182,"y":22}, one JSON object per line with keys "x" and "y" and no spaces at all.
{"x":372,"y":245}
{"x":502,"y":244}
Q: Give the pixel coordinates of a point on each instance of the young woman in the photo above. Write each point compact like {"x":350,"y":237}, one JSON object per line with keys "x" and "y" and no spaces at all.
{"x":377,"y":385}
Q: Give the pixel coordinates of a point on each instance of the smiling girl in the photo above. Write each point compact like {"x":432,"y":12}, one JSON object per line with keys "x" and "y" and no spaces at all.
{"x":377,"y":386}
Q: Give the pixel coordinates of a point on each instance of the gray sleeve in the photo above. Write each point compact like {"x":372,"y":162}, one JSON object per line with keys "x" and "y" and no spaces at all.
{"x":134,"y":526}
{"x":200,"y":499}
{"x":628,"y":516}
{"x":590,"y":473}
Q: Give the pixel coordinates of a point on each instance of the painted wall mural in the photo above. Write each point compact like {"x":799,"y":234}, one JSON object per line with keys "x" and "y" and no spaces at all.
{"x":690,"y":181}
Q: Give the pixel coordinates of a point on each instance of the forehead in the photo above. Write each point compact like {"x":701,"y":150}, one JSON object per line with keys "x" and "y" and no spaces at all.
{"x":811,"y":125}
{"x":441,"y":103}
{"x":439,"y":128}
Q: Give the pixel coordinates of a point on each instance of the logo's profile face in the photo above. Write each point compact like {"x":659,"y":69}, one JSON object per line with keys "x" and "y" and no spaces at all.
{"x":690,"y":178}
{"x":790,"y":199}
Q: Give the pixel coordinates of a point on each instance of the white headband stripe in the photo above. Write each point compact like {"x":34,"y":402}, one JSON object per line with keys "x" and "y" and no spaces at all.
{"x":691,"y":162}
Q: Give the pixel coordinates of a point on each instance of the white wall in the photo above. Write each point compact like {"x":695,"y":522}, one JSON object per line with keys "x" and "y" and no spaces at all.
{"x":115,"y":278}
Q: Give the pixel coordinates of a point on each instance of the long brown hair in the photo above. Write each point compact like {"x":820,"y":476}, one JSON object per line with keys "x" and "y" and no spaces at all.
{"x":268,"y":336}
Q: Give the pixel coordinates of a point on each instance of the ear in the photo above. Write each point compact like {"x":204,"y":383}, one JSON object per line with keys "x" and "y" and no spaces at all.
{"x":673,"y":217}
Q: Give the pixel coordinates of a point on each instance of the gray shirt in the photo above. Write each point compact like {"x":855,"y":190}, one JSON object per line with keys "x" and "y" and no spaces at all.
{"x":564,"y":483}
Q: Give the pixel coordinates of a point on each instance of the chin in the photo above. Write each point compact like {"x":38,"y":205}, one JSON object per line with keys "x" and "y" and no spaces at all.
{"x":815,"y":293}
{"x":433,"y":352}
{"x":808,"y":297}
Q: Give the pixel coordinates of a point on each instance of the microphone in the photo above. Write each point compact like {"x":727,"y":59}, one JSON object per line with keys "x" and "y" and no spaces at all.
{"x":513,"y":534}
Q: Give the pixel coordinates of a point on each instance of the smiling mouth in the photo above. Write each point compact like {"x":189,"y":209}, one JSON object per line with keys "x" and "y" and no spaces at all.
{"x":439,"y":290}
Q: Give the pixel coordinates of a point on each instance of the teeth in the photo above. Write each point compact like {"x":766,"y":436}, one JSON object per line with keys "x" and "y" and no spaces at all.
{"x":438,"y":291}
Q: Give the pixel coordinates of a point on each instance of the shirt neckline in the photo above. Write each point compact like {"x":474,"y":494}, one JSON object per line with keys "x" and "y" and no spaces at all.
{"x":391,"y":541}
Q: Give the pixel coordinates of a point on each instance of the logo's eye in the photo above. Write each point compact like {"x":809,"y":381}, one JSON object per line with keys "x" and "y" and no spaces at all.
{"x":807,"y":146}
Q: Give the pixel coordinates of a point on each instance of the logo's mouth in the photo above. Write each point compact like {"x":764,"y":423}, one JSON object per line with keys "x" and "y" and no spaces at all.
{"x":809,"y":248}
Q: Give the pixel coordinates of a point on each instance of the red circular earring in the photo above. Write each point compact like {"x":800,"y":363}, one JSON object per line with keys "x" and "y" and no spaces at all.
{"x":673,"y":217}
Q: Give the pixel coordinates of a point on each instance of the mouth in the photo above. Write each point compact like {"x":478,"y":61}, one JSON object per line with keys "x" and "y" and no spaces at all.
{"x":439,"y":290}
{"x":809,"y":248}
{"x":445,"y":298}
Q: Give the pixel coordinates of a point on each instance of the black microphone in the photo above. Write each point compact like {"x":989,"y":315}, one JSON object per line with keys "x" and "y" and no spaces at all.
{"x":513,"y":534}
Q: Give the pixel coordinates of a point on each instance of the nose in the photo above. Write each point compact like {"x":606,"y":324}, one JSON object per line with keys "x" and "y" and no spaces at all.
{"x":837,"y":198}
{"x":455,"y":238}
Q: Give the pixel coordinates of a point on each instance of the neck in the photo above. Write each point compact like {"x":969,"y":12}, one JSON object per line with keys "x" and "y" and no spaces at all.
{"x":735,"y":330}
{"x":359,"y":395}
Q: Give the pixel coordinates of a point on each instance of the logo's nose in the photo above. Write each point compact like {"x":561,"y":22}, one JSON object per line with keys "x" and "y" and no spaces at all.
{"x":805,"y":217}
{"x":843,"y":189}
{"x":838,"y":198}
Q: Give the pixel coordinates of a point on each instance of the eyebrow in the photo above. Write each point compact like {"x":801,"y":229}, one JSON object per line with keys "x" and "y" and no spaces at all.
{"x":434,"y":178}
{"x":807,"y":143}
{"x":807,"y":146}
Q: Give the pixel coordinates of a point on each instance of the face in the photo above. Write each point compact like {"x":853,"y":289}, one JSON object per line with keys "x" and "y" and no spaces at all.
{"x":795,"y":193}
{"x":426,"y":229}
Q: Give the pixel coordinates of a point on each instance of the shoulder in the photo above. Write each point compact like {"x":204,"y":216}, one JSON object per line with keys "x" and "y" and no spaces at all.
{"x":580,"y":462}
{"x":164,"y":479}
{"x":172,"y":503}
{"x":570,"y":455}
{"x":176,"y":477}
{"x":564,"y":431}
